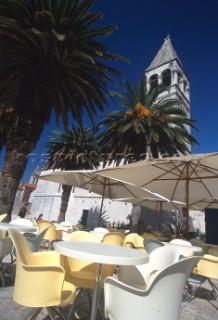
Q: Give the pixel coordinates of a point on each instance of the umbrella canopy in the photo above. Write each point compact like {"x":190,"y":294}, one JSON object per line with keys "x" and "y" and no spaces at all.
{"x":155,"y":203}
{"x":92,"y":181}
{"x":184,"y":178}
{"x":205,"y":204}
{"x":159,"y":205}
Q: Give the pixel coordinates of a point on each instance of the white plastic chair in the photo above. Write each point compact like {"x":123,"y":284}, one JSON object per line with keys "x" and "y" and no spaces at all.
{"x":100,"y":232}
{"x":183,"y":242}
{"x":159,"y":259}
{"x":160,"y":301}
{"x":151,"y":244}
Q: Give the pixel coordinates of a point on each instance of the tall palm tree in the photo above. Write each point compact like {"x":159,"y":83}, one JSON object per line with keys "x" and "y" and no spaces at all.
{"x":75,"y":149}
{"x":148,"y":126}
{"x":6,"y":112}
{"x":50,"y":61}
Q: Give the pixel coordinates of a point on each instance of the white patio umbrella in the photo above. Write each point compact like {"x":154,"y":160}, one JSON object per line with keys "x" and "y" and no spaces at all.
{"x":159,"y":205}
{"x":184,"y":178}
{"x":92,"y":181}
{"x":206,"y":203}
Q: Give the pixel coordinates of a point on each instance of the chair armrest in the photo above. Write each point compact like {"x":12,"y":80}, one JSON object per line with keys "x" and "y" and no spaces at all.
{"x":49,"y":258}
{"x":210,"y":257}
{"x":41,"y":282}
{"x":119,"y":284}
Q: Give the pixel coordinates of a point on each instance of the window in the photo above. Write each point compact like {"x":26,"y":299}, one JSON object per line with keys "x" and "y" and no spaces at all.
{"x":166,"y":77}
{"x":153,"y":81}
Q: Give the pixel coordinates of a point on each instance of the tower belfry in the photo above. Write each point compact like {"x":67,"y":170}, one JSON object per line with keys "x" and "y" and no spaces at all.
{"x":166,"y":68}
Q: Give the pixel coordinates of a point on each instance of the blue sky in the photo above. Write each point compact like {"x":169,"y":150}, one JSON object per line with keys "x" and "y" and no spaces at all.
{"x":142,"y":28}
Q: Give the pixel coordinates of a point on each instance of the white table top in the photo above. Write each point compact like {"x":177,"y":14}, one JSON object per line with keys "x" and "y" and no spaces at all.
{"x":19,"y":227}
{"x":101,"y":253}
{"x":184,"y":248}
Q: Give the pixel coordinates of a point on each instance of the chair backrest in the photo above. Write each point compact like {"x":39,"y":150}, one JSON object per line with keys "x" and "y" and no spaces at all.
{"x":160,"y":301}
{"x":151,"y":244}
{"x":207,"y":266}
{"x":39,"y":277}
{"x":133,"y":240}
{"x":115,"y":238}
{"x":186,"y":243}
{"x":23,"y":251}
{"x":181,"y":241}
{"x":42,"y":224}
{"x":100,"y":232}
{"x":34,"y":241}
{"x":80,"y":272}
{"x":52,"y":233}
{"x":159,"y":259}
{"x":148,"y":235}
{"x":82,"y":236}
{"x":3,"y":216}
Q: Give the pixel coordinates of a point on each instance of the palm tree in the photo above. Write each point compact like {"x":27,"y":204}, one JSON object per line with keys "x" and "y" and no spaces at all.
{"x":6,"y":112}
{"x":50,"y":61}
{"x":75,"y":149}
{"x":148,"y":126}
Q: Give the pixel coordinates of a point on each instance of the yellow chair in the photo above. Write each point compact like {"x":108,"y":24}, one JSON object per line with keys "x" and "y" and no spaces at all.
{"x":148,"y":235}
{"x":79,"y":272}
{"x":3,"y":218}
{"x":115,"y":238}
{"x":40,"y":279}
{"x":83,"y":274}
{"x":51,"y":235}
{"x":133,"y":240}
{"x":206,"y":269}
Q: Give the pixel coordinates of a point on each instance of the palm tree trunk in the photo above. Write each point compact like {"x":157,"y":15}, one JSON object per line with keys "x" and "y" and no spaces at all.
{"x":25,"y":128}
{"x":64,"y":202}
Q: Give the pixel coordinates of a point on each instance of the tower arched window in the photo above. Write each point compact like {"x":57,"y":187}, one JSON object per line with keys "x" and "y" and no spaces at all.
{"x":166,"y":77}
{"x":185,"y":85}
{"x":153,"y":81}
{"x":145,"y":83}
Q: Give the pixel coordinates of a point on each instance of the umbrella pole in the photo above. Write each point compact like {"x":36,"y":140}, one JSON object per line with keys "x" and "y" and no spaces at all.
{"x":160,"y":216}
{"x":187,"y":201}
{"x":102,"y":201}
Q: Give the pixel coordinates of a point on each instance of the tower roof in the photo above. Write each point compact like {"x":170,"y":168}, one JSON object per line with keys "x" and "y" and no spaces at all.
{"x":164,"y":55}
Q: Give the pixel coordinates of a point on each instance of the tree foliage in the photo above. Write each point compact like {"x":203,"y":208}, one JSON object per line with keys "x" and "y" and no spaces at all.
{"x":150,"y":124}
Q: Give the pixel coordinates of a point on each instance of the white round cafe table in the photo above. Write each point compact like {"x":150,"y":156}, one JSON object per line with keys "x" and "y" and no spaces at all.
{"x":184,"y":248}
{"x":102,"y":254}
{"x":19,"y":227}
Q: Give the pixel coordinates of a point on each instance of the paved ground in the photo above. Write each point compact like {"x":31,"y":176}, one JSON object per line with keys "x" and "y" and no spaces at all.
{"x":203,"y":307}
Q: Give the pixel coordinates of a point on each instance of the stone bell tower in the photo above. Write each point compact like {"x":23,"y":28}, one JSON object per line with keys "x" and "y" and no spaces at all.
{"x":167,"y":69}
